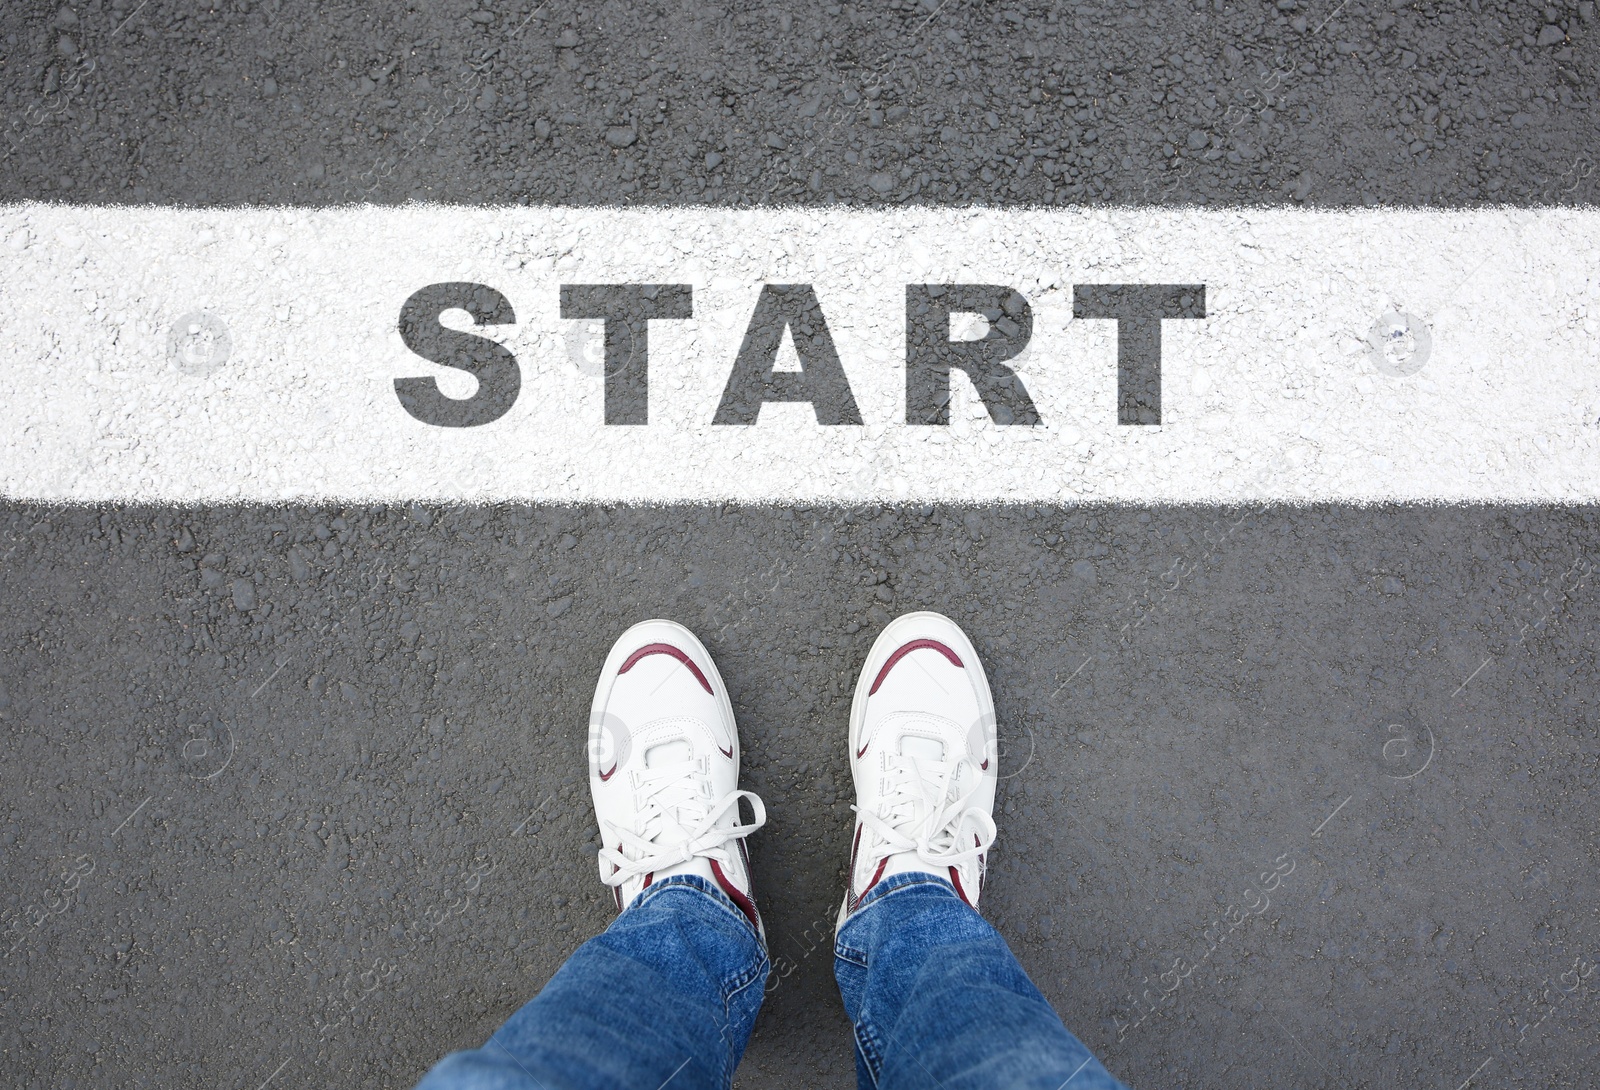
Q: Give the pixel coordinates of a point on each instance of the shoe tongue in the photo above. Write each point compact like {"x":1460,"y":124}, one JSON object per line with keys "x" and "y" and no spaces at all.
{"x":920,"y":733}
{"x":923,"y":749}
{"x":668,"y":753}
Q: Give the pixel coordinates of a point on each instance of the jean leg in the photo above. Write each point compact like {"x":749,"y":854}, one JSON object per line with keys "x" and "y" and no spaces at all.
{"x":937,"y":999}
{"x":669,"y":991}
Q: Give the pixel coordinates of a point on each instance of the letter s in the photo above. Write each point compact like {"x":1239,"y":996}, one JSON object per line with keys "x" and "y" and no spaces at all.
{"x":493,"y":365}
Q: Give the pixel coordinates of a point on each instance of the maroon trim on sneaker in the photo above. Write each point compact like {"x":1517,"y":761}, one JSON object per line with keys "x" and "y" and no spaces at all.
{"x":854,"y":848}
{"x":604,"y":776}
{"x":877,"y":874}
{"x":667,"y":649}
{"x":955,"y":880}
{"x":737,"y":896}
{"x":728,"y":753}
{"x":648,"y":878}
{"x":617,"y":892}
{"x":914,"y":645}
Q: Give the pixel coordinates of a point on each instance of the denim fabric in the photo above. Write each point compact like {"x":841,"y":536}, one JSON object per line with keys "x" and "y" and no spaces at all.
{"x":669,"y":991}
{"x":937,"y":999}
{"x":667,"y":995}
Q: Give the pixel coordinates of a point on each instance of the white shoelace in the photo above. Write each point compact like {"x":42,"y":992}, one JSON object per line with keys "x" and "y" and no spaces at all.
{"x":917,"y":814}
{"x":675,"y":804}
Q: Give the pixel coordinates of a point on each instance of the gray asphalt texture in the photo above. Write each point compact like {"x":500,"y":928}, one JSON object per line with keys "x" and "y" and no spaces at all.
{"x":296,"y":796}
{"x":288,"y":740}
{"x":1322,"y":102}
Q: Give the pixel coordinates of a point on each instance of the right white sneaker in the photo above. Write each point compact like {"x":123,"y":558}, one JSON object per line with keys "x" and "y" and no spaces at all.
{"x":923,"y":756}
{"x":664,"y":768}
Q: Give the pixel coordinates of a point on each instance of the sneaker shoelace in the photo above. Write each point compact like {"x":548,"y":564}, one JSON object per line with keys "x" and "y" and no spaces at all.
{"x":677,"y":821}
{"x":920,"y":812}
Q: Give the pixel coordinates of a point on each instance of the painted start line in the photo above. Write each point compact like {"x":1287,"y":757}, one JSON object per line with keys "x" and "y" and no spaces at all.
{"x":984,"y":355}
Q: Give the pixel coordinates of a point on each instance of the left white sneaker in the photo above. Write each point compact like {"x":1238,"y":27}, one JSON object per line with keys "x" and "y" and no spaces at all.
{"x":664,"y":768}
{"x":923,"y":756}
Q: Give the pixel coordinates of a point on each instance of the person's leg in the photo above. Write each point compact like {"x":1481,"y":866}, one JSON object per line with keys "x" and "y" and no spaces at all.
{"x":935,"y":995}
{"x":670,"y":990}
{"x":937,"y":999}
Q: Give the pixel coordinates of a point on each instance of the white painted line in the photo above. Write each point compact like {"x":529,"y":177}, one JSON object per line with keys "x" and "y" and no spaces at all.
{"x":251,"y":355}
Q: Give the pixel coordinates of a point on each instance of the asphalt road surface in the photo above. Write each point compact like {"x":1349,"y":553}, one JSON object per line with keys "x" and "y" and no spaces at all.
{"x":295,"y":796}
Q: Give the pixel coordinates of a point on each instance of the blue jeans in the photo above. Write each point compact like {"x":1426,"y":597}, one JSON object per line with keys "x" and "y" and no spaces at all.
{"x":668,"y":994}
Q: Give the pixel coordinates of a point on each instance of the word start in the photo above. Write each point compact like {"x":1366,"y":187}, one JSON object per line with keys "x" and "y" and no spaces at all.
{"x":628,"y":309}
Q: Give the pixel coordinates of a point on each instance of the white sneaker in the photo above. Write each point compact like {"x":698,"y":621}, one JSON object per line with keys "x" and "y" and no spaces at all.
{"x":923,"y":756}
{"x":664,"y":768}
